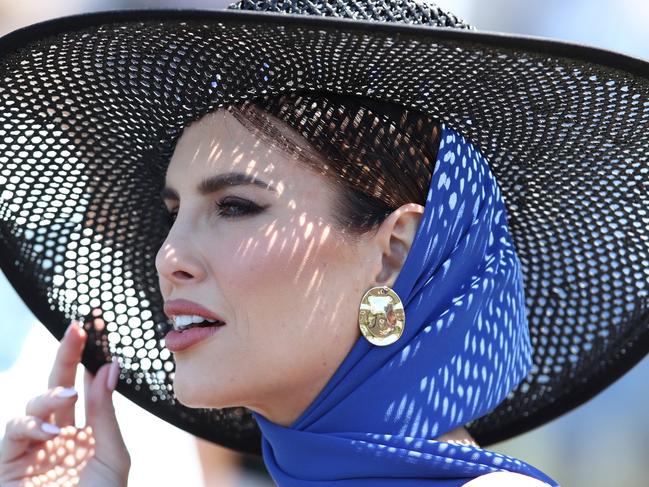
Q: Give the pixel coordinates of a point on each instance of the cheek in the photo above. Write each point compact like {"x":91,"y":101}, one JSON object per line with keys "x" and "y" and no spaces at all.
{"x":300,"y":283}
{"x":289,"y":300}
{"x":293,"y":257}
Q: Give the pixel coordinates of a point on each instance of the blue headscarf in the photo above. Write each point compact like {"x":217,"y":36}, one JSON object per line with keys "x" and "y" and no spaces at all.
{"x":465,"y":346}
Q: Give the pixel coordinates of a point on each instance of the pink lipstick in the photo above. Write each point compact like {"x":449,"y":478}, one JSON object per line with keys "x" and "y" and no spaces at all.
{"x":177,"y":341}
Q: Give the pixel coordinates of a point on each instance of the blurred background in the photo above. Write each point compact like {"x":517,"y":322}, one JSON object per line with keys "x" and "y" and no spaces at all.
{"x":602,"y":443}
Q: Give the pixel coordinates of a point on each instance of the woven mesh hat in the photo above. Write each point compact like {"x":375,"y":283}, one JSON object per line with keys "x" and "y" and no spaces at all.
{"x":92,"y":105}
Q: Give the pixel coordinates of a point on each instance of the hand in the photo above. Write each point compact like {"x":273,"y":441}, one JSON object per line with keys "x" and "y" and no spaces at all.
{"x":34,"y":453}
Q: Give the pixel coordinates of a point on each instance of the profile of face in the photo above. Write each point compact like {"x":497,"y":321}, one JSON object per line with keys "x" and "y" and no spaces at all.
{"x":266,"y":257}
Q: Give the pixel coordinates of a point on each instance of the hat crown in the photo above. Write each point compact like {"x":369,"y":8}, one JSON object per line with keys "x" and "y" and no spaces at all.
{"x":406,"y":11}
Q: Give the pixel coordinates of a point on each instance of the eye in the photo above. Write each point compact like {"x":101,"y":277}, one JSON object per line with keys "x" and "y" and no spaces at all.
{"x":231,"y":207}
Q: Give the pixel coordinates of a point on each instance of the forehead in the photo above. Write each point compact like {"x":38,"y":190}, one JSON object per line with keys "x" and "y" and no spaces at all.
{"x":219,"y":143}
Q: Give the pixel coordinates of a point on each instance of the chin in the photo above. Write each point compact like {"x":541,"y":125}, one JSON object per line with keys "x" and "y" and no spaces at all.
{"x":195,"y":394}
{"x":187,"y":400}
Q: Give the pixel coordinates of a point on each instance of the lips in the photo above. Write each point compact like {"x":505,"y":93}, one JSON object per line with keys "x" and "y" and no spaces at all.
{"x":178,"y":307}
{"x":178,"y":341}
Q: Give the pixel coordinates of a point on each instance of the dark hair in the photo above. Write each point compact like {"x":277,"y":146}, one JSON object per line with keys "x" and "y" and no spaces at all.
{"x":377,"y":156}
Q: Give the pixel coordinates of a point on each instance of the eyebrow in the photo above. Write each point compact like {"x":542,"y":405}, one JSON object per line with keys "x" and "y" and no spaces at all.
{"x":213,"y":184}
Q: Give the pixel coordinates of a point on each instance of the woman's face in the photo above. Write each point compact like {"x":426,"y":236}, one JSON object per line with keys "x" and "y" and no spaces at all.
{"x":267,"y":260}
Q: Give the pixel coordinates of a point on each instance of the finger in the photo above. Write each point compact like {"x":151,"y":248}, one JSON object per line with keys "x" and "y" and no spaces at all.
{"x":87,"y":380}
{"x":21,"y":432}
{"x":54,"y":401}
{"x":100,"y":414}
{"x":68,"y":356}
{"x":64,"y":369}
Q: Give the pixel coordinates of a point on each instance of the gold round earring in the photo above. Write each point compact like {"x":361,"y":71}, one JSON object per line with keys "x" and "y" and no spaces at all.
{"x":381,"y":316}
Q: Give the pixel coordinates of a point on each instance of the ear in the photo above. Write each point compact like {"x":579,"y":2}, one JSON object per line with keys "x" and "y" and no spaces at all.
{"x":394,"y":239}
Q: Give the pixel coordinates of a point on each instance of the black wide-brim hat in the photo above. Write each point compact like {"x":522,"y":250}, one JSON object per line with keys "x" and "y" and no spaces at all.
{"x":91,"y":107}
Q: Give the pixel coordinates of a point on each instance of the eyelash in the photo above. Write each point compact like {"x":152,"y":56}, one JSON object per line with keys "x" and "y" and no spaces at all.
{"x":245,"y":207}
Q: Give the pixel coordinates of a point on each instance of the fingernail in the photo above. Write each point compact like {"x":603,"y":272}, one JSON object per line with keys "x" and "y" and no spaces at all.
{"x":50,"y":428}
{"x":66,"y":392}
{"x":113,"y":376}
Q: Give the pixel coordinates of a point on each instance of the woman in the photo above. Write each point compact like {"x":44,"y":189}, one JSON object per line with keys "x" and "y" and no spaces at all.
{"x":284,"y":214}
{"x":258,"y":240}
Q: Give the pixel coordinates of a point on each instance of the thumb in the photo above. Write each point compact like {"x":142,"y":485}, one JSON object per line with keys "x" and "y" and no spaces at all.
{"x":100,"y":414}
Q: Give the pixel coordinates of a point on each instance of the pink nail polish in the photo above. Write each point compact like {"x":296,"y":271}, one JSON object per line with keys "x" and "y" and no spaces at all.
{"x":66,"y":392}
{"x":52,"y":429}
{"x":113,"y":376}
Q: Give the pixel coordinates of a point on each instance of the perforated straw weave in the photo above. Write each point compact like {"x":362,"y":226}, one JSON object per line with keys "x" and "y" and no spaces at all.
{"x":90,"y":107}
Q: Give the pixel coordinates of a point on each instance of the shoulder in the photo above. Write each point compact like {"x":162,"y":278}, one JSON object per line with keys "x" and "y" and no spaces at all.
{"x":505,"y":479}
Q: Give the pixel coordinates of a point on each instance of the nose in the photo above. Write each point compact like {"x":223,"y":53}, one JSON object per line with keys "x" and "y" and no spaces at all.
{"x":177,"y":262}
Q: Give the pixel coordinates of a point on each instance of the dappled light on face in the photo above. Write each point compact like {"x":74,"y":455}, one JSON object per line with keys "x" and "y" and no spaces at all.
{"x":217,"y":152}
{"x":290,"y":227}
{"x":309,"y":229}
{"x":270,"y":229}
{"x":274,"y":274}
{"x":168,"y":251}
{"x":249,"y":244}
{"x":325,"y":234}
{"x":316,"y":280}
{"x":305,"y":260}
{"x":255,"y":232}
{"x":272,"y":240}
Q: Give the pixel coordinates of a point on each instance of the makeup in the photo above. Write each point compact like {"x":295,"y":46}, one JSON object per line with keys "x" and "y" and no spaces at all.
{"x":177,"y":341}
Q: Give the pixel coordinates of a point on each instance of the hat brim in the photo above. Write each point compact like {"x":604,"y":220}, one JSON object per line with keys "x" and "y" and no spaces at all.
{"x":95,"y":102}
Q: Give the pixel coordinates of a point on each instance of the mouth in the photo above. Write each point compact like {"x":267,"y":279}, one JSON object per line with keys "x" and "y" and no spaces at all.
{"x":186,"y":315}
{"x":189,"y":330}
{"x":187,"y":322}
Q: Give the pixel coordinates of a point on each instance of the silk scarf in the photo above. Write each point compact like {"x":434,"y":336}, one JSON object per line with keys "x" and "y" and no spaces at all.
{"x":465,"y":346}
